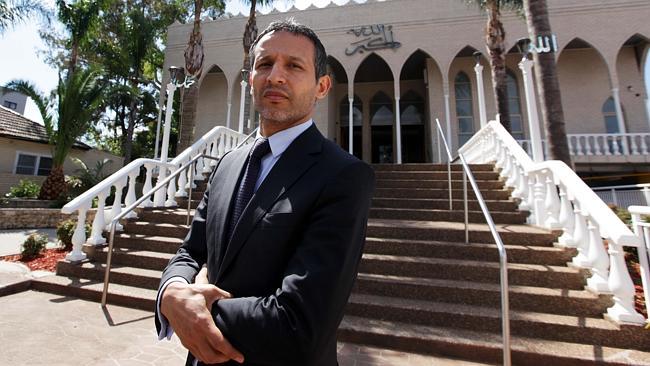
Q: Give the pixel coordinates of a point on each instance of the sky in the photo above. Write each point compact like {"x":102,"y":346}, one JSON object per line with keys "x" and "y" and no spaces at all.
{"x":20,"y":58}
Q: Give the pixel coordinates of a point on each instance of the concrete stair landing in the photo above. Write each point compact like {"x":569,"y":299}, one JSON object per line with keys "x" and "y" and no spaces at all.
{"x":421,"y":290}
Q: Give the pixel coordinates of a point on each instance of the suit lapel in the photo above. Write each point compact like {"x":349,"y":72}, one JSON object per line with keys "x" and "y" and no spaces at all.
{"x":293,"y":163}
{"x":224,"y":191}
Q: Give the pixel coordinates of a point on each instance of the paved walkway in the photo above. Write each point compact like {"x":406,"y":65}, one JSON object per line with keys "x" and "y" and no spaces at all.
{"x":11,"y":240}
{"x":39,"y":328}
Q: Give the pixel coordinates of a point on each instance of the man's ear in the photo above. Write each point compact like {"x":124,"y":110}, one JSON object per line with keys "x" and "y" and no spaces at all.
{"x":324,"y":86}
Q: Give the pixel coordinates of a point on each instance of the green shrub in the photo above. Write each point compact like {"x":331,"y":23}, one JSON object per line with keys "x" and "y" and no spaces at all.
{"x":24,"y":189}
{"x":65,"y":230}
{"x":33,"y":245}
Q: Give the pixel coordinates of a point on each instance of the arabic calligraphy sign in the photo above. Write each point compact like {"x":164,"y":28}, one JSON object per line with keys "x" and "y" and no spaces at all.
{"x":373,"y":37}
{"x":543,"y":45}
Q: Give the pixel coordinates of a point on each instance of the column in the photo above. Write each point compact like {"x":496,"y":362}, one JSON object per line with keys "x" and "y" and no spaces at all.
{"x":242,"y":102}
{"x":229,"y":105}
{"x":526,"y":67}
{"x":445,"y":88}
{"x":350,"y":118}
{"x":398,"y":124}
{"x":481,"y":94}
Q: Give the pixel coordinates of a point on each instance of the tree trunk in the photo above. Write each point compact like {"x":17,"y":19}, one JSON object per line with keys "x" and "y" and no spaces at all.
{"x":547,"y":82}
{"x":250,"y":34}
{"x":54,"y":185}
{"x":495,"y":42}
{"x":127,"y":142}
{"x":190,"y":99}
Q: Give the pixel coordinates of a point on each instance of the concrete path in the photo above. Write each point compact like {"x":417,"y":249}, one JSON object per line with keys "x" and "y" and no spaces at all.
{"x":12,"y":240}
{"x":38,"y":328}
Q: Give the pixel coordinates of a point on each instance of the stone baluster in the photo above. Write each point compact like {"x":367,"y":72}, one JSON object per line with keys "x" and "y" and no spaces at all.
{"x":78,"y":237}
{"x":222,"y":145}
{"x":99,"y":223}
{"x":130,"y":194}
{"x":572,"y":148}
{"x":171,"y":189}
{"x":519,"y":181}
{"x":116,"y":209}
{"x":539,"y":200}
{"x":148,"y":185}
{"x":524,"y":195}
{"x":530,"y":201}
{"x":615,"y":145}
{"x":634,"y":148}
{"x":598,"y":147}
{"x":580,"y":236}
{"x":501,"y":155}
{"x":182,"y":183}
{"x":644,"y":145}
{"x":621,"y":285}
{"x":214,"y":153}
{"x":507,"y":165}
{"x":566,"y":219}
{"x":578,"y":146}
{"x":598,"y":260}
{"x":189,"y":174}
{"x":551,"y":204}
{"x":514,"y":176}
{"x":198,"y":173}
{"x":207,"y":163}
{"x":588,"y":145}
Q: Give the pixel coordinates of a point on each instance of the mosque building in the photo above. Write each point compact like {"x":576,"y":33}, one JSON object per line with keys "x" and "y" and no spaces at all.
{"x":407,"y":63}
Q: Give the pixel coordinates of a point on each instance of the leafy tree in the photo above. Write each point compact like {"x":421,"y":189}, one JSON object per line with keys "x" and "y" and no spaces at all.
{"x":14,"y":12}
{"x":547,"y":82}
{"x":495,"y":41}
{"x":80,"y":19}
{"x":67,"y":114}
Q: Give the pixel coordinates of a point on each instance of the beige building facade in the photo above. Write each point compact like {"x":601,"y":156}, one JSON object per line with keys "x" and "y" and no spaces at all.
{"x":411,"y":62}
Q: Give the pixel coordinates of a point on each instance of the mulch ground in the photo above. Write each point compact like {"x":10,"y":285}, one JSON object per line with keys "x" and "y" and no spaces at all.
{"x":46,"y":261}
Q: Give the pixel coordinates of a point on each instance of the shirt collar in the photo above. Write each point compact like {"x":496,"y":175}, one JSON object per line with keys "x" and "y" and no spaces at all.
{"x":281,"y":140}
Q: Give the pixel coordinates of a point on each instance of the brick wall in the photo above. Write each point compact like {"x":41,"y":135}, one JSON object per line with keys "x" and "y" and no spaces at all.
{"x":20,"y":218}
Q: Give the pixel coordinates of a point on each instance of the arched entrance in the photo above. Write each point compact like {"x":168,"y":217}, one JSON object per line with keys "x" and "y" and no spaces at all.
{"x":381,"y":122}
{"x":212,"y":106}
{"x":413,"y":114}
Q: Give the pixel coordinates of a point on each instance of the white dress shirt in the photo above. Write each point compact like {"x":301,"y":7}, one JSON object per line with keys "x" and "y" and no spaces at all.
{"x":279,"y":142}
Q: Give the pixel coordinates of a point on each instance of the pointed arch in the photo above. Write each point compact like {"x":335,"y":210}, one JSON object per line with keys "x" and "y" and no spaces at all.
{"x":411,"y":106}
{"x":414,"y":66}
{"x":212,"y":104}
{"x":337,"y":71}
{"x":211,"y":70}
{"x":373,"y":68}
{"x":639,"y":45}
{"x":578,"y":43}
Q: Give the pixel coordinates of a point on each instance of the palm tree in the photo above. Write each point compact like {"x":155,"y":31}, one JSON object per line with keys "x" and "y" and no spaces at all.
{"x":79,"y":18}
{"x":79,"y":99}
{"x":193,"y":67}
{"x":547,"y":82}
{"x":13,"y":12}
{"x":495,"y":41}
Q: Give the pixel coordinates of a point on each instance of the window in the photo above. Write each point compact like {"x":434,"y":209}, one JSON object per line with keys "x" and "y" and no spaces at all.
{"x":10,"y":105}
{"x":28,"y":164}
{"x":514,"y":105}
{"x":464,"y":109}
{"x":609,"y":113}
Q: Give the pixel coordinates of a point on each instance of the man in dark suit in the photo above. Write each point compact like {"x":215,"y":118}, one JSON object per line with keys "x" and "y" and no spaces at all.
{"x":281,"y":264}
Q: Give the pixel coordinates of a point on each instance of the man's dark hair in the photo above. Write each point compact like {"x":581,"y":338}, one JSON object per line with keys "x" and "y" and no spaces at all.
{"x":291,"y":26}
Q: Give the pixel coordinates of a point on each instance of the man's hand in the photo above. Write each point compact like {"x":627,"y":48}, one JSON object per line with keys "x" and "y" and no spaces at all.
{"x":186,"y":307}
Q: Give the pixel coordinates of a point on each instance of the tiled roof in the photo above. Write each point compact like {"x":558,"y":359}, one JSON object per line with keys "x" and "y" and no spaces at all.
{"x":17,"y":126}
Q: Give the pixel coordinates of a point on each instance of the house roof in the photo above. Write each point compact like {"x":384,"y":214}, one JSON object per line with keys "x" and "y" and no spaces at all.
{"x":16,"y":126}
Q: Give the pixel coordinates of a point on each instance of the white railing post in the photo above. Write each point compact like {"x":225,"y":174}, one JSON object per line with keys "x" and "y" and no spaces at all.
{"x":525,"y":205}
{"x":130,"y":194}
{"x":539,"y":204}
{"x":598,"y":260}
{"x":78,"y":237}
{"x":117,"y":204}
{"x":171,"y":190}
{"x":580,"y":236}
{"x":621,"y":285}
{"x":96,"y":237}
{"x":147,"y":184}
{"x":566,"y":219}
{"x":643,"y":233}
{"x":182,"y":184}
{"x":551,"y":203}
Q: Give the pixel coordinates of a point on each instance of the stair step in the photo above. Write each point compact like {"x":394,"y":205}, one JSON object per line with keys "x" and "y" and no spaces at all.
{"x":561,"y":328}
{"x":430,"y":167}
{"x":436,"y":184}
{"x":457,"y":194}
{"x":481,"y":346}
{"x":455,"y":231}
{"x":176,"y":216}
{"x":128,"y":276}
{"x":92,"y":290}
{"x":446,"y":215}
{"x":182,"y":202}
{"x":154,"y":243}
{"x":477,"y":271}
{"x":473,"y":251}
{"x":134,"y":258}
{"x":443,"y":204}
{"x":540,"y":299}
{"x":433,"y":175}
{"x":156,"y":229}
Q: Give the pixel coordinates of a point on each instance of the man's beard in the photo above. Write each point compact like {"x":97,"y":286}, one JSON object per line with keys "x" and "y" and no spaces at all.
{"x":269,"y":114}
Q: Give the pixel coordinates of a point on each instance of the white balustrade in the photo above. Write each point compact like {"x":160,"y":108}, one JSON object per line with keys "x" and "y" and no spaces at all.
{"x":216,"y":142}
{"x":642,"y":231}
{"x":559,"y":199}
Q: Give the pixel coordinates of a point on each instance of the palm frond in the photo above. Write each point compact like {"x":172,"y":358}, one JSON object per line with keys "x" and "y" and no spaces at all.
{"x":13,"y":12}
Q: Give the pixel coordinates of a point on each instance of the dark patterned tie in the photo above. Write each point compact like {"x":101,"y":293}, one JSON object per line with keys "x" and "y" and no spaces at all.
{"x":247,"y":185}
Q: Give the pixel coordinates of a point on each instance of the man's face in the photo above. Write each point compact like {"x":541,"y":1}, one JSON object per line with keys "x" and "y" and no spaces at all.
{"x":283,"y":81}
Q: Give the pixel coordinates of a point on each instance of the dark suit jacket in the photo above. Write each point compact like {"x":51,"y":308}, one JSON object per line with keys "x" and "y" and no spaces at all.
{"x":293,"y":256}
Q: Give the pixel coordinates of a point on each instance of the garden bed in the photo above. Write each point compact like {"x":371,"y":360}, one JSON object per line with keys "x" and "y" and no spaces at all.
{"x":46,"y":261}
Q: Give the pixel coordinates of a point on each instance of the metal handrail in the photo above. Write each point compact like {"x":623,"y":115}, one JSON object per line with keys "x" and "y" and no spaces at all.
{"x":145,"y":196}
{"x":439,"y":133}
{"x":503,"y":258}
